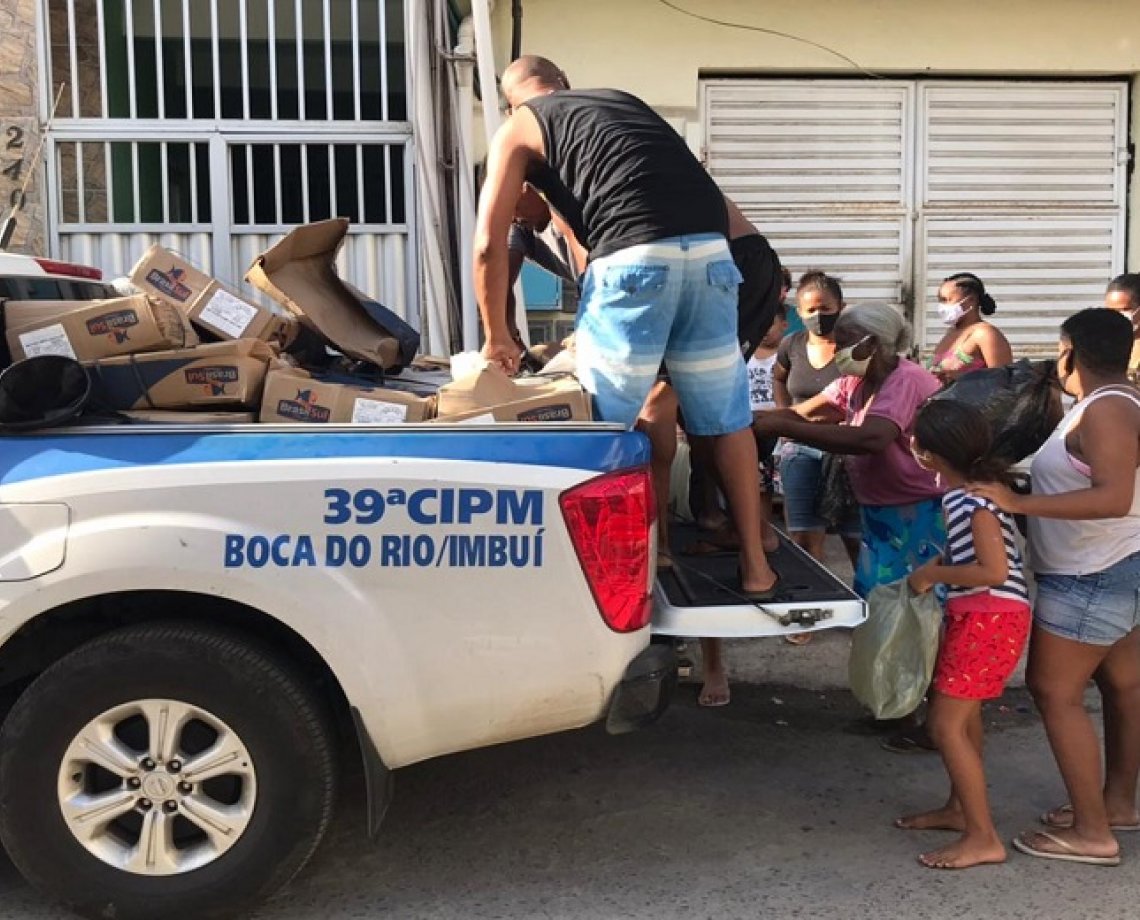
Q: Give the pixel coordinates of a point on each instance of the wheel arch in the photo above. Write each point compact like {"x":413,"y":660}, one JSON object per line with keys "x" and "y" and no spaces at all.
{"x":51,"y":635}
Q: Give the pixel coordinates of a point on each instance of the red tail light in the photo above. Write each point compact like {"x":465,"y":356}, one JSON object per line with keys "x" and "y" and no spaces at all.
{"x":70,"y":268}
{"x":610,"y":520}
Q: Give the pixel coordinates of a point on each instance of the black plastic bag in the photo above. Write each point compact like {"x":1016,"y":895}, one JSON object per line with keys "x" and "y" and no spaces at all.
{"x":48,"y":391}
{"x":835,"y":502}
{"x":1022,"y":402}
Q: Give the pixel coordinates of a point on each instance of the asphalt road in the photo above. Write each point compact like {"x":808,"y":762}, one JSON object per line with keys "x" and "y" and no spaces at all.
{"x":766,"y":808}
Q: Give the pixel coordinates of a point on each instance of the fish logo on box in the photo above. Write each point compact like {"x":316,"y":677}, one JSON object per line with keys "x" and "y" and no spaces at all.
{"x":213,"y":377}
{"x":170,"y":283}
{"x":113,"y":325}
{"x":303,"y":408}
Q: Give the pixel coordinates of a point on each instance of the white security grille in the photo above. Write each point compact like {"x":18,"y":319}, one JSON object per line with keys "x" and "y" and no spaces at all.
{"x":214,"y":126}
{"x":893,"y":185}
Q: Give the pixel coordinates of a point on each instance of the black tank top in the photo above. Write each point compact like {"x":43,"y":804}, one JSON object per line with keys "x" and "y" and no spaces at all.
{"x":619,"y":173}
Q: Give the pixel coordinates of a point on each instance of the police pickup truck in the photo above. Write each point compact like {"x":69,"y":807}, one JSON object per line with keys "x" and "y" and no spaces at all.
{"x":199,"y":626}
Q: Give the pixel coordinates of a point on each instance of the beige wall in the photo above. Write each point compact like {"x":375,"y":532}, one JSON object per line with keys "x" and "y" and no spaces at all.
{"x":652,"y":51}
{"x":19,"y":80}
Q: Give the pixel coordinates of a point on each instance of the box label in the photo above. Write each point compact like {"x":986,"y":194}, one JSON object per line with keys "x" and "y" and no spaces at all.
{"x":170,"y":283}
{"x":114,"y":324}
{"x":560,"y":412}
{"x":51,"y":340}
{"x":228,"y":314}
{"x":366,"y":411}
{"x":303,"y":408}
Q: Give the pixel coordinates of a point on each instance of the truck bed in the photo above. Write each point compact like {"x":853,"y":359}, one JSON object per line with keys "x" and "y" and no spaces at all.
{"x":699,"y":596}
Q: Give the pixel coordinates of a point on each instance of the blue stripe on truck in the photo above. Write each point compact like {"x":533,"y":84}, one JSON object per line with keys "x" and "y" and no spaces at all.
{"x":28,"y":457}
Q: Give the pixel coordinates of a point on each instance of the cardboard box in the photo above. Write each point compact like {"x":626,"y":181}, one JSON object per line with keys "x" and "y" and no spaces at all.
{"x":563,"y":401}
{"x":294,"y":396}
{"x":559,"y":399}
{"x":220,"y":311}
{"x":174,"y":417}
{"x":300,"y":274}
{"x":209,"y":304}
{"x":486,"y":387}
{"x":169,"y":277}
{"x":211,"y":376}
{"x":91,"y":329}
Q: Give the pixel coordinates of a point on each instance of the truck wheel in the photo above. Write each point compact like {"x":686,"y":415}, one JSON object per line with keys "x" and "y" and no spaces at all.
{"x":165,"y":770}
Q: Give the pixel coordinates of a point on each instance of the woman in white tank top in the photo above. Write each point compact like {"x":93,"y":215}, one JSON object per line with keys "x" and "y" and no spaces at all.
{"x":1084,"y":541}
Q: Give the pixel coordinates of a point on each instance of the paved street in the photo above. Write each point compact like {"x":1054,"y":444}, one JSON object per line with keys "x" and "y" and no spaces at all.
{"x":765,"y":808}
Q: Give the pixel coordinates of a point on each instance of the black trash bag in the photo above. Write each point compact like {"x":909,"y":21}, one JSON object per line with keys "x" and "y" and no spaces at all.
{"x":42,"y":392}
{"x":835,"y":502}
{"x":1022,"y":402}
{"x":47,"y":391}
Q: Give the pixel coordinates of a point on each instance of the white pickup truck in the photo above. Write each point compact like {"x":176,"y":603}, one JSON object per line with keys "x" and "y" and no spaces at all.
{"x":199,"y":625}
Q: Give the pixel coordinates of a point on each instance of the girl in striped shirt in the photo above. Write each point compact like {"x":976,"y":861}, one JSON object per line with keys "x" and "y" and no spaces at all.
{"x":987,"y":624}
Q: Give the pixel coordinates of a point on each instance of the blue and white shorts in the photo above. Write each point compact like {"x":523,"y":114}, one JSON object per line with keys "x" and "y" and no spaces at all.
{"x":673,"y":299}
{"x":1097,"y":609}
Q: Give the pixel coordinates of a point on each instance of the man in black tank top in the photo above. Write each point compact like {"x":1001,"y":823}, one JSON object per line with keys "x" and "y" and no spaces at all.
{"x":660,"y":283}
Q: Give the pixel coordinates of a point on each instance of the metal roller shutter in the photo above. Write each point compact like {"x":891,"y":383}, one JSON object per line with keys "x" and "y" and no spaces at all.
{"x":1024,"y":185}
{"x":822,"y":167}
{"x":892,"y":185}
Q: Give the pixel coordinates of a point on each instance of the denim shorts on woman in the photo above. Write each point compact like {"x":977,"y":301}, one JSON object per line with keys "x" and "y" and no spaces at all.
{"x":673,"y":299}
{"x":801,"y":476}
{"x":1097,"y":609}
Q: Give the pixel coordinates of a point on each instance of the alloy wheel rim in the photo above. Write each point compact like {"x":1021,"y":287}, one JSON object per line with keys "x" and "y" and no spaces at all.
{"x":157,"y":787}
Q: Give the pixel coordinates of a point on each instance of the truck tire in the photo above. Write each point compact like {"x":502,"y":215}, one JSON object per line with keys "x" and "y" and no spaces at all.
{"x":165,"y":771}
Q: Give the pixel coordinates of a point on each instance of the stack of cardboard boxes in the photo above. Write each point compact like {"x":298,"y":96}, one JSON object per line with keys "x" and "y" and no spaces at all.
{"x":187,"y":348}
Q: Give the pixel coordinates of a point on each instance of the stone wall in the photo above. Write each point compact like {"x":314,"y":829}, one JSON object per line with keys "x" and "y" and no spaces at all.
{"x":19,"y":124}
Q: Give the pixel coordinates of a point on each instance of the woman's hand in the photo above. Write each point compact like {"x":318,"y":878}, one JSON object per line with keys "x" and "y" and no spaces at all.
{"x":1002,"y":496}
{"x":922,"y":579}
{"x":773,"y":422}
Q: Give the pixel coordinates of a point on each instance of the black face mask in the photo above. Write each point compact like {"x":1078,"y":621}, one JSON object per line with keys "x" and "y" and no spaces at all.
{"x":820,"y":323}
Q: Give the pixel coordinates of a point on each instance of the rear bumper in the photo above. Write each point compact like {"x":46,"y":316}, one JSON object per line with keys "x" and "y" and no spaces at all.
{"x":645,"y":690}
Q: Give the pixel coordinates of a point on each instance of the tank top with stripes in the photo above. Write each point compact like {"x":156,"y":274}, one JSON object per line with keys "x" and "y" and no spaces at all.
{"x":960,"y":508}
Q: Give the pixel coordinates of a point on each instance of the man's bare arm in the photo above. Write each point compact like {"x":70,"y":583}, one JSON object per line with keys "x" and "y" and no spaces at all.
{"x":516,"y":144}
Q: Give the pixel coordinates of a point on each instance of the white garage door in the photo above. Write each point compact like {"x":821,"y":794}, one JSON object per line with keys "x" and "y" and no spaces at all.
{"x":892,"y":185}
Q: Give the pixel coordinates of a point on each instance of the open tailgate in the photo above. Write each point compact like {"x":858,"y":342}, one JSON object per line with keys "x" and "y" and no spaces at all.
{"x":699,"y":595}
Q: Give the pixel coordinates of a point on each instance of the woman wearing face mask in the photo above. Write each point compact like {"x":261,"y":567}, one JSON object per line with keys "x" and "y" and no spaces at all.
{"x":1123,"y":296}
{"x":970,"y":343}
{"x":868,"y":414}
{"x":1084,"y":538}
{"x":805,"y":366}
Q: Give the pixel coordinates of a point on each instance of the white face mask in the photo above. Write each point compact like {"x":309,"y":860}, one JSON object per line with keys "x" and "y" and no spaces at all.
{"x":950,"y":313}
{"x":849,"y":366}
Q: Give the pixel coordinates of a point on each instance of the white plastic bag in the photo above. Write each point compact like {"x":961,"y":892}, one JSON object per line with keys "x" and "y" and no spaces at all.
{"x":893,"y":653}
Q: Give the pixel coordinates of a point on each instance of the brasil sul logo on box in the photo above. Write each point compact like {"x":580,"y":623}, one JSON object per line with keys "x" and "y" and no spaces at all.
{"x":170,"y":283}
{"x":303,"y":408}
{"x":113,"y":324}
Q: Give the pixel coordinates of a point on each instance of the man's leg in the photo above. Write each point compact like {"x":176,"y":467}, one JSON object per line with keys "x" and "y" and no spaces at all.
{"x":704,"y":362}
{"x":658,"y":420}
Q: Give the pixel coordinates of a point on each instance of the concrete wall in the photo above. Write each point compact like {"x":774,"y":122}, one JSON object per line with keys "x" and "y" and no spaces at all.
{"x":657,"y":53}
{"x":19,"y":124}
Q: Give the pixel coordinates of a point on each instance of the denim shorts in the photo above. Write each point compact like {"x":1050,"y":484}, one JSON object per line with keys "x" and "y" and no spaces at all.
{"x":1097,"y":609}
{"x":673,"y":299}
{"x":801,"y":479}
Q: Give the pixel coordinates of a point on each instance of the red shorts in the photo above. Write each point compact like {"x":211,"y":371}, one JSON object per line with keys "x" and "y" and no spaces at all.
{"x":982,"y":644}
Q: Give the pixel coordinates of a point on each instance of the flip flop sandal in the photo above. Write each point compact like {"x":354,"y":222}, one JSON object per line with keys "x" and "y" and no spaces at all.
{"x":664,"y":561}
{"x":913,"y":741}
{"x":1046,"y":819}
{"x":713,"y":704}
{"x":1069,"y":852}
{"x":708,"y":548}
{"x":798,"y":638}
{"x":767,"y":595}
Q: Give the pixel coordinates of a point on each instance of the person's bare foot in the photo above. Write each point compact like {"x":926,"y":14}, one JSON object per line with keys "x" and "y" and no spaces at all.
{"x":946,"y":818}
{"x":965,"y":852}
{"x":798,"y":638}
{"x":714,"y":691}
{"x":1061,"y":818}
{"x":769,"y":538}
{"x":713,"y":522}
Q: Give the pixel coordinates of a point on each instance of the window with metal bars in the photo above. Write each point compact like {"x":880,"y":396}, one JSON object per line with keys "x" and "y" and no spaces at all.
{"x":281,"y":67}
